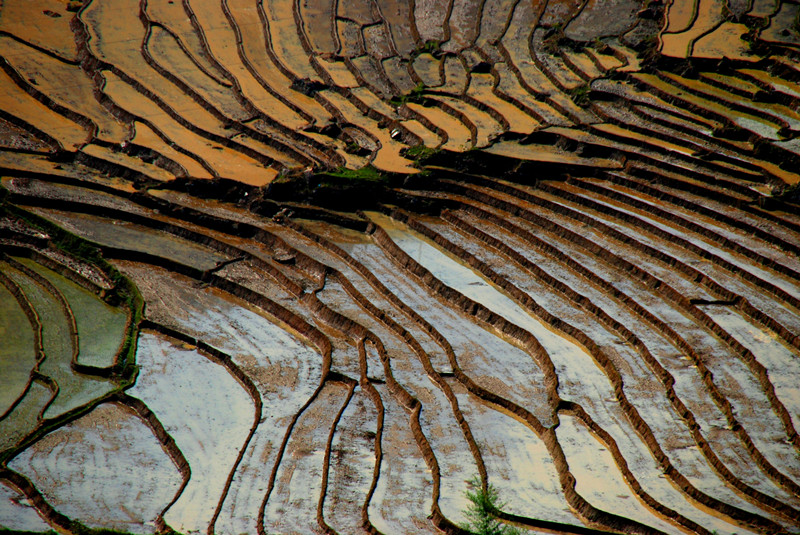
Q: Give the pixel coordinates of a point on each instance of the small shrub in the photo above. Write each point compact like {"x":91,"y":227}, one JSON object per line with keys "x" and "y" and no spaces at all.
{"x":415,"y":95}
{"x":482,"y":514}
{"x":431,"y":46}
{"x":580,"y":95}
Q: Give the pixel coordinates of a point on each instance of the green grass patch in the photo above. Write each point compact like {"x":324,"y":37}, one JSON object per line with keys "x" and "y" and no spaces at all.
{"x":420,"y":153}
{"x":415,"y":95}
{"x":365,"y":174}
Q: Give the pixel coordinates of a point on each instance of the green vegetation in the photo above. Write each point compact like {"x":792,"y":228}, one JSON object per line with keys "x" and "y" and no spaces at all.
{"x":580,"y":95}
{"x":431,"y":46}
{"x":415,"y":95}
{"x":483,"y":512}
{"x":367,"y":173}
{"x":420,"y":153}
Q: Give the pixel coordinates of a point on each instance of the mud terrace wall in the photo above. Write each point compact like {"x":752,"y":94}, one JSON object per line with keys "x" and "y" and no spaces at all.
{"x":314,"y":266}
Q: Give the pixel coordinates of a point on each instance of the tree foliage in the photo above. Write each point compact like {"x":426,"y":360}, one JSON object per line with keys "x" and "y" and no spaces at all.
{"x":483,"y":510}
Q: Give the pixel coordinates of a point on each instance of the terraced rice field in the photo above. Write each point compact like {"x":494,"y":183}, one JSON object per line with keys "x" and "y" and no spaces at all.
{"x":325,"y":267}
